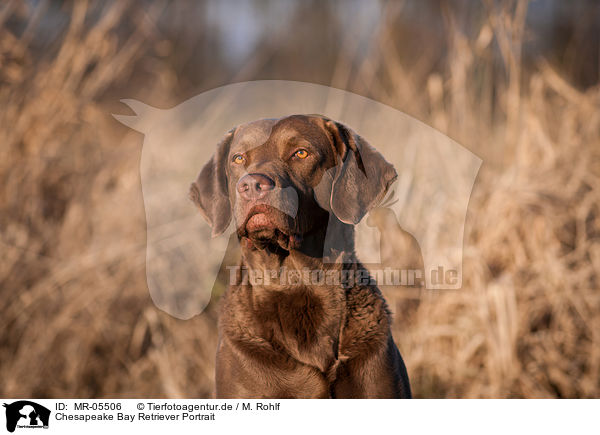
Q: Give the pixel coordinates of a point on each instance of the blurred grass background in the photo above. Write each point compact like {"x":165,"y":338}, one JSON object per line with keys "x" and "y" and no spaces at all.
{"x":515,"y":82}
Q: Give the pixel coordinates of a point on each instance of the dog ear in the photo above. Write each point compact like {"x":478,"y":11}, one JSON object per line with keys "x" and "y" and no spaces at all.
{"x":210,"y":193}
{"x":362,"y":178}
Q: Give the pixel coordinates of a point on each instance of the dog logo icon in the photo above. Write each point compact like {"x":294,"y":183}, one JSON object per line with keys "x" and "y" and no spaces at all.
{"x":26,"y":414}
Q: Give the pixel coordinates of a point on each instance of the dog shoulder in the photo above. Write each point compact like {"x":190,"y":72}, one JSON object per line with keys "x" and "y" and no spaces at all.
{"x":239,"y":324}
{"x":368,"y":320}
{"x":236,"y":320}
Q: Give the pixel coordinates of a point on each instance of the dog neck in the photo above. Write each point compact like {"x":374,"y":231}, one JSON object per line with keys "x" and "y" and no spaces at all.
{"x":289,"y":290}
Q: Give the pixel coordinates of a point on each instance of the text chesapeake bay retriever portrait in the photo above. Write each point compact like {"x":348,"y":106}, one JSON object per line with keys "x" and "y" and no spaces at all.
{"x":294,"y":188}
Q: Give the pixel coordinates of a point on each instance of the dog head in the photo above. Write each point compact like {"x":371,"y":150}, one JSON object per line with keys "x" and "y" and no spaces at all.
{"x":280,"y":179}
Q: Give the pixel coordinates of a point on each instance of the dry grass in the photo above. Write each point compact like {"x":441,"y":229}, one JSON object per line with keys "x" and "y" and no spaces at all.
{"x":76,"y":317}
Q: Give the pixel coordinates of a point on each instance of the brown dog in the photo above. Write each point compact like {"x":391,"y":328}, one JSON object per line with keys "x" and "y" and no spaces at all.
{"x":295,"y":187}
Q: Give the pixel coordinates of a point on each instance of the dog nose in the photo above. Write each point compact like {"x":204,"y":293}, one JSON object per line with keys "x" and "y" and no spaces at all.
{"x":254,"y":186}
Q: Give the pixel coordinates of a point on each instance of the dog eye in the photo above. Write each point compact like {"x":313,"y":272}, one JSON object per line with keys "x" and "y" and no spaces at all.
{"x":301,"y":154}
{"x":238,"y":159}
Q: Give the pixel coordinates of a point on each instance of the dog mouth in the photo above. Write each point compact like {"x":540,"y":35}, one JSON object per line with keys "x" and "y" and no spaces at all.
{"x":263,"y":229}
{"x":258,"y":222}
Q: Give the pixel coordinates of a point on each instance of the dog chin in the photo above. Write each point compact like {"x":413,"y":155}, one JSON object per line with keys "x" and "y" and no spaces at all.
{"x":260,"y":232}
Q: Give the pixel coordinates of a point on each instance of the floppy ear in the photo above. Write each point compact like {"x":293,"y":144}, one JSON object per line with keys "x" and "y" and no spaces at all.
{"x":210,"y":193}
{"x":362,"y":178}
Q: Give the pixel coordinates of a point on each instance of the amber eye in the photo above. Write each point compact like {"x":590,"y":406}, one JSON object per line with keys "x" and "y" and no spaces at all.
{"x":301,"y":154}
{"x":238,"y":159}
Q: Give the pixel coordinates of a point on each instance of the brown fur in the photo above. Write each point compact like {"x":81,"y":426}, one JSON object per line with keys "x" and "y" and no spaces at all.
{"x":300,"y":340}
